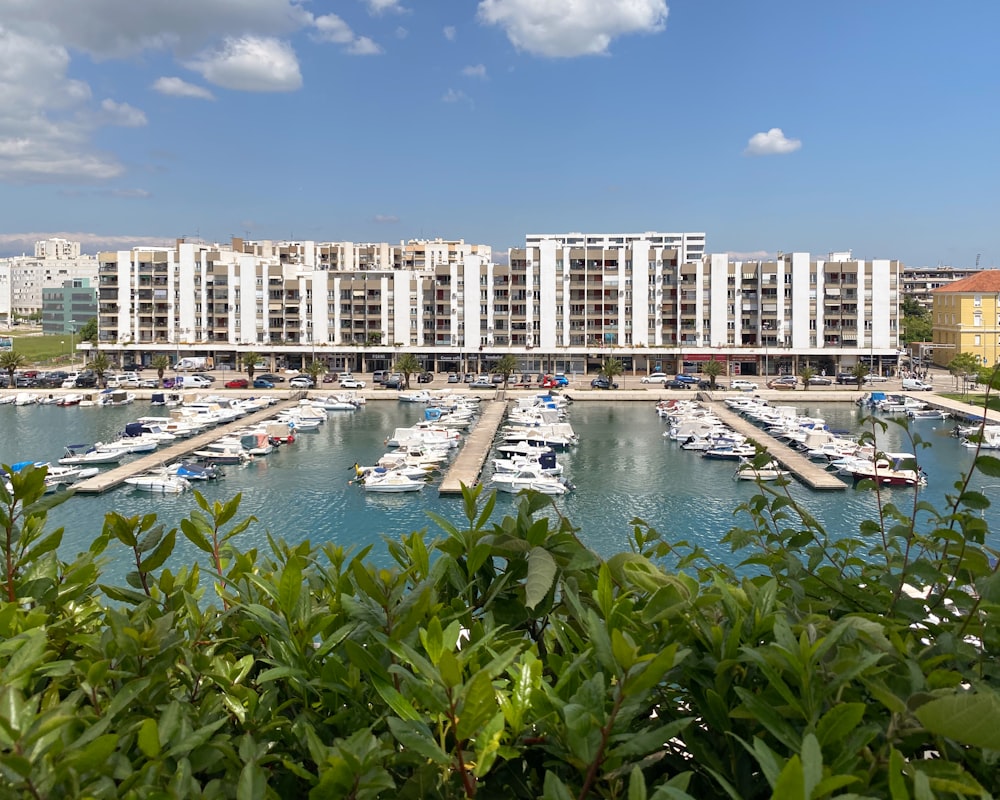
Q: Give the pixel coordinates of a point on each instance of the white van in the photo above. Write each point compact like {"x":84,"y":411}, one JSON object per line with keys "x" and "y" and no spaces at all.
{"x":915,"y":385}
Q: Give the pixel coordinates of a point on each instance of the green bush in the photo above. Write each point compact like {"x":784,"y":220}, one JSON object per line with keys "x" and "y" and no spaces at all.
{"x":503,"y":659}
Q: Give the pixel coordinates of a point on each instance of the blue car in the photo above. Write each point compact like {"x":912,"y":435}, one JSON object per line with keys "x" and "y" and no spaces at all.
{"x":260,"y":383}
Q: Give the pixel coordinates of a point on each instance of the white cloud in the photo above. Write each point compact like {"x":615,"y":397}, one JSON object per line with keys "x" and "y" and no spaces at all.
{"x":11,"y":243}
{"x":474,"y":71}
{"x":122,"y":114}
{"x":331,"y":28}
{"x":568,"y":28}
{"x":449,"y":32}
{"x":772,"y":143}
{"x":401,"y":32}
{"x":250,"y":64}
{"x":378,"y":7}
{"x":176,"y":87}
{"x":386,"y":219}
{"x":454,"y":96}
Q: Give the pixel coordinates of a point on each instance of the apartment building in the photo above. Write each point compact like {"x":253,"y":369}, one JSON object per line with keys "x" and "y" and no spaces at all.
{"x":919,"y":283}
{"x":23,"y":278}
{"x":966,"y":319}
{"x":67,"y":308}
{"x":562,"y":302}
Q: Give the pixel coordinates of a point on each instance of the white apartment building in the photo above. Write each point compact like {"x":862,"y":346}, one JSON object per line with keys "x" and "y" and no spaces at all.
{"x":563,"y":302}
{"x":22,"y":278}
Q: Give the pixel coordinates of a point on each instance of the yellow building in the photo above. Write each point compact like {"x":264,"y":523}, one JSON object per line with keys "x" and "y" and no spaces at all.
{"x":966,"y":317}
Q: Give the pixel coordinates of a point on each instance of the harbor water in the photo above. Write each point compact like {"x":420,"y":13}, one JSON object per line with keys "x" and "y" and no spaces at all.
{"x":622,"y":469}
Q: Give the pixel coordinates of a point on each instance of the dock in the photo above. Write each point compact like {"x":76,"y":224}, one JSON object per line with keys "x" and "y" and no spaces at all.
{"x":812,"y":475}
{"x":468,"y":465}
{"x":111,"y":479}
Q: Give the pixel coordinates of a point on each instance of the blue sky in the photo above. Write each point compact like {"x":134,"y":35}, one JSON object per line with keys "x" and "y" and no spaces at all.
{"x":782,"y":125}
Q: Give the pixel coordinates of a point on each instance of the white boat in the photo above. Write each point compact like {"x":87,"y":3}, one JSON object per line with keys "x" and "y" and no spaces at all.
{"x":25,"y":399}
{"x":420,"y":396}
{"x":6,"y":399}
{"x":392,"y":483}
{"x":544,"y":462}
{"x":159,"y":483}
{"x":71,"y":399}
{"x":113,"y":397}
{"x":889,"y":469}
{"x":771,"y":471}
{"x":928,"y":413}
{"x":82,"y":454}
{"x":528,"y":479}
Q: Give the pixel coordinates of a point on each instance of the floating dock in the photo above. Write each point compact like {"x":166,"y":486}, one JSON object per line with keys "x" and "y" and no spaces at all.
{"x":812,"y":475}
{"x":111,"y":479}
{"x":468,"y":465}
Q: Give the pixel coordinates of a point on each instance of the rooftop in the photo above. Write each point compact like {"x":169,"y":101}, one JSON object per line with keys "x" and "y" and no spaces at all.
{"x":987,"y":281}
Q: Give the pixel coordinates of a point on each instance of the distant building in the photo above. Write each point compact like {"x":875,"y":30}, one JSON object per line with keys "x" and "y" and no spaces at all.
{"x":966,"y":317}
{"x":68,"y":308}
{"x":22,"y":278}
{"x":920,"y":282}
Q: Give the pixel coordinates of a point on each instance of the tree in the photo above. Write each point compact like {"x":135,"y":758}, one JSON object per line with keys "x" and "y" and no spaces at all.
{"x":407,"y":364}
{"x":612,"y":368}
{"x":249,"y":361}
{"x":963,"y":365}
{"x":374,"y":338}
{"x":859,"y":372}
{"x":10,"y":362}
{"x":88,"y":331}
{"x":506,"y":366}
{"x":806,"y":373}
{"x":316,"y":370}
{"x":161,"y":364}
{"x":712,"y":370}
{"x":101,"y":364}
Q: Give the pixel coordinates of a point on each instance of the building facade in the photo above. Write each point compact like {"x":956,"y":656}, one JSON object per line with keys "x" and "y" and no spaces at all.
{"x":563,"y":302}
{"x":919,"y":283}
{"x":67,"y":308}
{"x":24,"y":278}
{"x":966,"y":319}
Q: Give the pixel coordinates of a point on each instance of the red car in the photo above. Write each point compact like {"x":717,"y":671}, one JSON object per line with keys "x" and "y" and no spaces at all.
{"x":237,"y":383}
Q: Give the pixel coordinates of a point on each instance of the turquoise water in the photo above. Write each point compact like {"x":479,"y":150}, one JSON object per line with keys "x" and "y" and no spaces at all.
{"x":623,"y":468}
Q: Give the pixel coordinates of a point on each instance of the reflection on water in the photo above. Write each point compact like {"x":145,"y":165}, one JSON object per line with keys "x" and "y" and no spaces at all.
{"x":623,"y":468}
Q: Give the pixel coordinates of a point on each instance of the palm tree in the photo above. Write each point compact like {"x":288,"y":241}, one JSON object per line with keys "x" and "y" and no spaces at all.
{"x":161,"y":364}
{"x":316,"y":370}
{"x":859,"y":372}
{"x":506,"y":366}
{"x":612,"y":368}
{"x":407,"y":364}
{"x":10,"y":362}
{"x":249,"y":361}
{"x":100,"y":364}
{"x":712,"y":370}
{"x":806,"y":373}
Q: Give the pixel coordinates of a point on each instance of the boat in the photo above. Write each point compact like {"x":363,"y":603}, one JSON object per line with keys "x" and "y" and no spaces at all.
{"x":71,"y":399}
{"x":529,"y":479}
{"x":544,"y":461}
{"x":113,"y":397}
{"x":160,"y":482}
{"x":731,"y":452}
{"x":87,"y":454}
{"x":928,"y":413}
{"x":771,"y":471}
{"x":420,"y":396}
{"x":195,"y":472}
{"x":889,"y":469}
{"x":391,"y":482}
{"x":25,"y":399}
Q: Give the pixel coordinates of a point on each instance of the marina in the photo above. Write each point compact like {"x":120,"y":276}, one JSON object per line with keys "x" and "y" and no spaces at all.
{"x":468,"y":464}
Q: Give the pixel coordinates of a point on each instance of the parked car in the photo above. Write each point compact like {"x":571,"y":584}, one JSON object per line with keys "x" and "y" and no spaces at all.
{"x":871,"y":377}
{"x":654,"y":377}
{"x":602,"y":382}
{"x":844,"y":378}
{"x":132,"y":366}
{"x":302,"y":382}
{"x":691,"y":379}
{"x":469,"y":378}
{"x":453,"y":377}
{"x":425,"y":377}
{"x":379,"y":375}
{"x":350,"y":382}
{"x":482,"y":382}
{"x":784,"y":382}
{"x":393,"y":380}
{"x":743,"y":385}
{"x":705,"y":384}
{"x":238,"y":383}
{"x":673,"y":383}
{"x":268,"y":376}
{"x":329,"y":377}
{"x":554,"y":381}
{"x":260,"y":383}
{"x":820,"y":380}
{"x":193,"y":381}
{"x":915,"y":385}
{"x":52,"y":380}
{"x":497,"y":378}
{"x":86,"y":380}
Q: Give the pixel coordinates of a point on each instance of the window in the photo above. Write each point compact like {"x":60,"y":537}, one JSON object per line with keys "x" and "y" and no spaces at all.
{"x":977,"y":300}
{"x":977,"y":340}
{"x":977,"y":319}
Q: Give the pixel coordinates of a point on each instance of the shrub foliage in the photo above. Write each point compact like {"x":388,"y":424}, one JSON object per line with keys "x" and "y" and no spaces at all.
{"x":501,"y":658}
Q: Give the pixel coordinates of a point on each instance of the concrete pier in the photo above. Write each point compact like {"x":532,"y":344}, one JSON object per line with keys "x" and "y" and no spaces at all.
{"x":113,"y":478}
{"x":812,"y":475}
{"x":468,"y":465}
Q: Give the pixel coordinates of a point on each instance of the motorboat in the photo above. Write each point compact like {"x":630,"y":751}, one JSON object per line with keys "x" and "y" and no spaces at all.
{"x":114,"y":397}
{"x":160,"y":482}
{"x":771,"y":471}
{"x":544,"y":461}
{"x":195,"y":472}
{"x":25,"y":399}
{"x":420,"y":396}
{"x":391,"y":482}
{"x":888,"y":469}
{"x":87,"y":454}
{"x":928,"y":413}
{"x":731,"y":452}
{"x":528,"y":479}
{"x":71,"y":399}
{"x":414,"y":471}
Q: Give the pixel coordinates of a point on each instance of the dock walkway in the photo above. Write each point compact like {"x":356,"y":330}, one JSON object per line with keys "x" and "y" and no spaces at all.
{"x":468,"y":465}
{"x":812,"y":475}
{"x":113,"y":478}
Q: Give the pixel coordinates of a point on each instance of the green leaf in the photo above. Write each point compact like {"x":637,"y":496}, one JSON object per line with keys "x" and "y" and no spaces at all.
{"x":554,"y":788}
{"x":897,"y":776}
{"x":252,"y":784}
{"x":149,"y":738}
{"x":195,"y":536}
{"x":394,"y":699}
{"x":290,"y":588}
{"x":636,"y":785}
{"x":968,"y":718}
{"x":479,"y":704}
{"x":839,"y":722}
{"x":416,"y":736}
{"x":162,"y":552}
{"x":541,"y":575}
{"x":95,"y":754}
{"x":432,"y":639}
{"x":791,"y":782}
{"x":988,"y":465}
